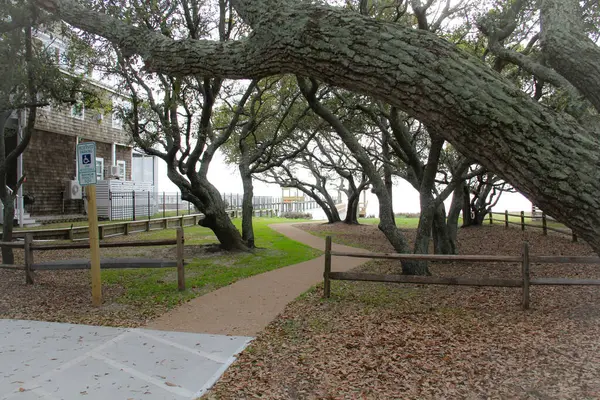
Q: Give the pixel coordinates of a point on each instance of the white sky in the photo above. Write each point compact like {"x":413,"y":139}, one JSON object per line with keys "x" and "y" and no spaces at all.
{"x":406,"y":199}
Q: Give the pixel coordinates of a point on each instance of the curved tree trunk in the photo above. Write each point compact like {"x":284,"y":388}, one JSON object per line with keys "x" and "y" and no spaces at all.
{"x":422,"y":240}
{"x":352,"y":209}
{"x":466,"y":207}
{"x":335,"y":214}
{"x":247,"y":207}
{"x":387,"y":223}
{"x":442,"y":240}
{"x":7,"y":230}
{"x":454,"y":214}
{"x":473,"y":107}
{"x":208,"y":200}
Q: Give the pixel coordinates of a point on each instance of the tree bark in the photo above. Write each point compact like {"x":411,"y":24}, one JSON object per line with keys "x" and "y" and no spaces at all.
{"x":352,"y":209}
{"x":466,"y":206}
{"x":208,"y":200}
{"x":568,"y":49}
{"x":7,"y":230}
{"x":544,"y":154}
{"x":247,"y":207}
{"x":387,"y":223}
{"x":421,"y":246}
{"x":442,"y":239}
{"x":454,"y":214}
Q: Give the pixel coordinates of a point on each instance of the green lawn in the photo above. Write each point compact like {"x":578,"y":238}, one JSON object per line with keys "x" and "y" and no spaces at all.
{"x":401,"y":222}
{"x":150,"y":287}
{"x":85,"y":223}
{"x":499,"y":218}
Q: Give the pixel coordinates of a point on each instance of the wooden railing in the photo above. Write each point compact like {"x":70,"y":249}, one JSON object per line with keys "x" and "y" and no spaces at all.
{"x":525,"y":259}
{"x":29,"y":246}
{"x":544,"y":226}
{"x":77,"y":233}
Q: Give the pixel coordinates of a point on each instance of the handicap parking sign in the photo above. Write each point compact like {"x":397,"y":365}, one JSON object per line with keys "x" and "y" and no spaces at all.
{"x":86,"y":157}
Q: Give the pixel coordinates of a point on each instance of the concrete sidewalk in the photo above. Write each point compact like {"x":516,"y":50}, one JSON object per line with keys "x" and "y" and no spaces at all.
{"x":51,"y":361}
{"x":249,"y":305}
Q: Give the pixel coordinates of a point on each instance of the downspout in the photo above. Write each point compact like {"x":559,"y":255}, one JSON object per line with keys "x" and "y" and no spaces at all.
{"x":113,"y":154}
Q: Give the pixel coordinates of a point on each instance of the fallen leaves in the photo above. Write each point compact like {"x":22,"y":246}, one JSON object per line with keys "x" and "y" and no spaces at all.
{"x":385,"y":341}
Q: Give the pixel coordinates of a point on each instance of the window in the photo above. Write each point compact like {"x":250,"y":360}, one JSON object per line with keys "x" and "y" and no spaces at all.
{"x":78,"y":110}
{"x":122,"y":170}
{"x":119,"y":107}
{"x":99,"y":168}
{"x":117,"y":121}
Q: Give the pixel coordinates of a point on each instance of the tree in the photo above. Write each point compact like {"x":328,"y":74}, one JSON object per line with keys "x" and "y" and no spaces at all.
{"x":544,"y":153}
{"x":264,"y":137}
{"x":31,"y":78}
{"x":171,"y":117}
{"x":481,"y":194}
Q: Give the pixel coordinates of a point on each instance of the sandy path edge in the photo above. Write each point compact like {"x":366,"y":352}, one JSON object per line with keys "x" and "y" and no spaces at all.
{"x":247,"y":306}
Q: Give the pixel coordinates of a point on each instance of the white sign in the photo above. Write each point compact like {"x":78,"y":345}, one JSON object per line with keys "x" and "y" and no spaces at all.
{"x":86,"y":160}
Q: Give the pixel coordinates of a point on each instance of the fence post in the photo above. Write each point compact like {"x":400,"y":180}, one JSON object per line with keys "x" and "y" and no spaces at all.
{"x":522,"y":220}
{"x":71,"y":234}
{"x":544,"y":224}
{"x":101,"y":232}
{"x":180,"y":267}
{"x":149,"y":210}
{"x":491,"y":218}
{"x":181,"y":221}
{"x":574,"y":237}
{"x":28,"y":259}
{"x":164,"y":205}
{"x":326,"y":281}
{"x":126,"y":228}
{"x":133,"y":202}
{"x":506,"y":218}
{"x":526,"y":276}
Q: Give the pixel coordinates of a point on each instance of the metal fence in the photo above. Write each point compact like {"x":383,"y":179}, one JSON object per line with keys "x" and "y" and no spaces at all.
{"x":132,"y":205}
{"x":145,"y":205}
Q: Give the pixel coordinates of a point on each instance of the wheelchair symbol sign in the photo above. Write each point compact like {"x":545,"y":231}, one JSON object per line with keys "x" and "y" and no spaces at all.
{"x":86,"y":156}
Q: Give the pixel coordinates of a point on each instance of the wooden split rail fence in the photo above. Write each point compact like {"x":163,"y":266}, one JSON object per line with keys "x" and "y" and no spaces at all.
{"x":525,"y":259}
{"x":29,"y":246}
{"x":544,"y":226}
{"x":79,"y":233}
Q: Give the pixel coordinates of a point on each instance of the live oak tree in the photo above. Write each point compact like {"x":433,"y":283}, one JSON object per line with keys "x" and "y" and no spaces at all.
{"x":32,"y":78}
{"x":171,"y":117}
{"x":544,"y":153}
{"x":265,"y":135}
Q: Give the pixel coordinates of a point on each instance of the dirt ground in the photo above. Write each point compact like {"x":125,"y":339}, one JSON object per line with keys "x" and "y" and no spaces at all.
{"x":64,"y":296}
{"x":384,"y":341}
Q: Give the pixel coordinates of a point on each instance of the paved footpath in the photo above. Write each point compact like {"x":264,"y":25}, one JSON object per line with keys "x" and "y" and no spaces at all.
{"x":53,"y":361}
{"x":246,"y":307}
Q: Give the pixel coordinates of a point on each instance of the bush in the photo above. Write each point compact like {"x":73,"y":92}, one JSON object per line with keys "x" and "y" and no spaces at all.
{"x":407,"y":215}
{"x":296,"y":215}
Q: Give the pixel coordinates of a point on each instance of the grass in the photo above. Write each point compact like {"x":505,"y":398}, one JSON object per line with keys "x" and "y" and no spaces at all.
{"x":150,"y":287}
{"x":499,"y":218}
{"x":401,"y":222}
{"x":59,"y":225}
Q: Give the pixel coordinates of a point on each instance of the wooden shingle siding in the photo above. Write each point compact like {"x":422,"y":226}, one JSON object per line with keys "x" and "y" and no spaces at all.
{"x":48,"y":162}
{"x":59,"y":119}
{"x":50,"y":159}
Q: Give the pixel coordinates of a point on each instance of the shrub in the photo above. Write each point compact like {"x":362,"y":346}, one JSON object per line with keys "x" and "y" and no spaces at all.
{"x":407,"y":215}
{"x":296,"y":215}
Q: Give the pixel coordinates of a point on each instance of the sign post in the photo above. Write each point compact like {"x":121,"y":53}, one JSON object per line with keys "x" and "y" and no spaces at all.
{"x":86,"y":158}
